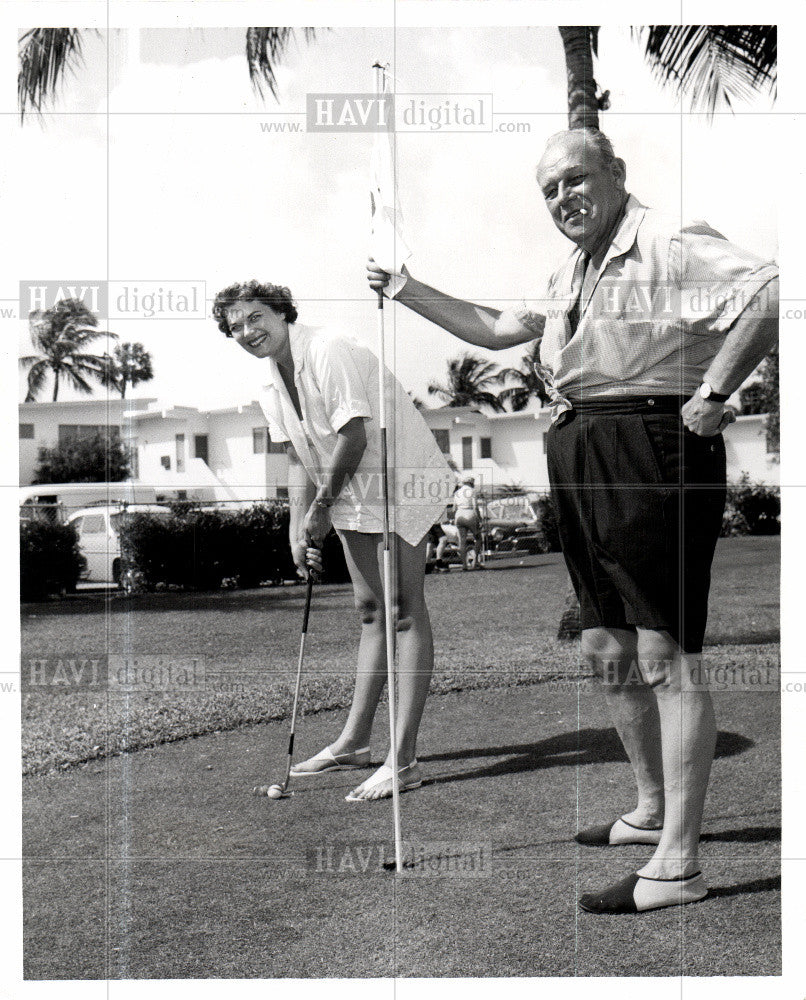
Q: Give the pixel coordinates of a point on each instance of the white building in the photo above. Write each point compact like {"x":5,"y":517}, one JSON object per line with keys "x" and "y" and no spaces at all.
{"x":228,"y":451}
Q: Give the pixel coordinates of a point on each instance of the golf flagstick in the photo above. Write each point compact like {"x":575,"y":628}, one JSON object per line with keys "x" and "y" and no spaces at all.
{"x":387,"y":554}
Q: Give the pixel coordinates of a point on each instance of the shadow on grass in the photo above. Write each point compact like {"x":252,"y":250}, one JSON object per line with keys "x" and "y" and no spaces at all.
{"x":578,"y":747}
{"x":771,"y":884}
{"x":755,"y":638}
{"x":749,"y":835}
{"x":260,"y":599}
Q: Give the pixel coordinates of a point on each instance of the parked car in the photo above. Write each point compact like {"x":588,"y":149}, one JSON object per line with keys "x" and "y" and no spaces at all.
{"x":513,"y":523}
{"x":98,"y":530}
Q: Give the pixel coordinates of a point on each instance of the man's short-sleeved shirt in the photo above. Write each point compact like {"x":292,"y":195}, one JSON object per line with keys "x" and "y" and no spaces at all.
{"x":652,"y":316}
{"x":337,"y":380}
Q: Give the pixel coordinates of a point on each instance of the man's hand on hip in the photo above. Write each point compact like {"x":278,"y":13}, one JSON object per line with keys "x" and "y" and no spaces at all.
{"x":706,"y":417}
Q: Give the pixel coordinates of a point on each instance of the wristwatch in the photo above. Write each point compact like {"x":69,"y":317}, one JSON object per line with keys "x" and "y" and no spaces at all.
{"x":322,"y":502}
{"x":707,"y":392}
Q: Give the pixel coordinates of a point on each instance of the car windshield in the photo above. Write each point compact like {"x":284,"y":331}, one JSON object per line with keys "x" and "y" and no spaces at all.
{"x":510,"y":509}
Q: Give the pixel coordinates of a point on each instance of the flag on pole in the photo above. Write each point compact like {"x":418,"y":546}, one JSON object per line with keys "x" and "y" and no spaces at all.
{"x":387,"y":244}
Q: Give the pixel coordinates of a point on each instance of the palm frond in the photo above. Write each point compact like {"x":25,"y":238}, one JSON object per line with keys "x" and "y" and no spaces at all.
{"x":36,"y":378}
{"x":75,"y":377}
{"x":265,"y":48}
{"x":45,"y":55}
{"x":713,"y":65}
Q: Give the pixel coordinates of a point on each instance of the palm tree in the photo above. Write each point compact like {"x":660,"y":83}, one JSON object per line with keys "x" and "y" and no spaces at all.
{"x":712,"y":65}
{"x":469,"y":382}
{"x":528,"y":384}
{"x":61,"y":334}
{"x":581,"y":45}
{"x":129,"y":365}
{"x":46,"y":54}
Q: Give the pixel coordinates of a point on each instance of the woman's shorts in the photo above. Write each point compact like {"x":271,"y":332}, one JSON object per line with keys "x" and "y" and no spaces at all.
{"x":467,"y":519}
{"x":639,"y":501}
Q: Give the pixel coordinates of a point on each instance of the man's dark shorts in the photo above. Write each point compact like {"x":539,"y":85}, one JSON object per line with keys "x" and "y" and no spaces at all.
{"x":639,"y":500}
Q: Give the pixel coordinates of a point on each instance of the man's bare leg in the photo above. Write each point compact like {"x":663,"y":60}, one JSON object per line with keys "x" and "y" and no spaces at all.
{"x":613,"y":655}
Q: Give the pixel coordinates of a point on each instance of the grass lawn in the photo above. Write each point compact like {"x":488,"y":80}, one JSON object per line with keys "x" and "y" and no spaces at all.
{"x":491,"y":629}
{"x":161,"y":864}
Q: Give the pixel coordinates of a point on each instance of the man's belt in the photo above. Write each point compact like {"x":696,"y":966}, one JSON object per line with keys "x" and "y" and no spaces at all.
{"x":616,"y":405}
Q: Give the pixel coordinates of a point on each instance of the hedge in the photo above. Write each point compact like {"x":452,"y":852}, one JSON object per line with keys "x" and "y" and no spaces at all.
{"x":752,"y":509}
{"x":200,"y":549}
{"x":50,"y":559}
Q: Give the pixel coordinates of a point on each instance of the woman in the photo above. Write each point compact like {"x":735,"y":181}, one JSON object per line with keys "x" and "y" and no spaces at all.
{"x":467,"y":515}
{"x":324,"y":403}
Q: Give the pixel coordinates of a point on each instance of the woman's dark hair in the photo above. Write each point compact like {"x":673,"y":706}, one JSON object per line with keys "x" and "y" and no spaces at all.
{"x":276,"y":296}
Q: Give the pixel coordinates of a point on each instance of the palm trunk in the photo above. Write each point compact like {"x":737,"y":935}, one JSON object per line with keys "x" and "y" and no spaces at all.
{"x":583,"y":112}
{"x":583,"y":108}
{"x":55,"y":386}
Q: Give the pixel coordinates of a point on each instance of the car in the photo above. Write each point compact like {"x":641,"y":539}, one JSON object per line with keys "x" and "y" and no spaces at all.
{"x":98,"y":530}
{"x":513,"y":523}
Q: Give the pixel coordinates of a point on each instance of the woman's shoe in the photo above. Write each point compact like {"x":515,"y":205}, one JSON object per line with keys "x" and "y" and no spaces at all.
{"x":326,"y":760}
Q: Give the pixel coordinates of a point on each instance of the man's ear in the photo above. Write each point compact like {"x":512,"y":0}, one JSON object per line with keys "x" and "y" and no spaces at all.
{"x":619,"y":170}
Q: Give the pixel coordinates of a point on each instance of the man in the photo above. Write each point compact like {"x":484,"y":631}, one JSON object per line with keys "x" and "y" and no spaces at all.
{"x":646,"y":330}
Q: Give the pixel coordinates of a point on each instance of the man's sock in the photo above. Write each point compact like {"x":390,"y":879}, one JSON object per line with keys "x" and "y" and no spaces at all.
{"x":620,"y":832}
{"x":636,"y":894}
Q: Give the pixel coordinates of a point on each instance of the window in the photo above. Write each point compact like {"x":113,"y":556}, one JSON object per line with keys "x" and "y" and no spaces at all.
{"x":467,"y":453}
{"x":180,"y":452}
{"x":443,"y":439}
{"x":260,"y":440}
{"x":200,"y":447}
{"x":94,"y":524}
{"x":485,"y":447}
{"x":71,"y":433}
{"x":165,"y":461}
{"x":262,"y":443}
{"x":26,"y":432}
{"x":275,"y":447}
{"x":282,"y":492}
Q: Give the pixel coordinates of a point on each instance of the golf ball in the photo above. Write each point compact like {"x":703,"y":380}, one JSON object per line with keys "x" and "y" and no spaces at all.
{"x":275,"y":792}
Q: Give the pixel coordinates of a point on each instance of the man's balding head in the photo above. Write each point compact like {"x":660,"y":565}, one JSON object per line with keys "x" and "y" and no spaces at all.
{"x":582,"y":181}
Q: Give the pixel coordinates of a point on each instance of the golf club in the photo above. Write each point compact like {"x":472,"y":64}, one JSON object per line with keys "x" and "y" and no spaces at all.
{"x":280,"y":791}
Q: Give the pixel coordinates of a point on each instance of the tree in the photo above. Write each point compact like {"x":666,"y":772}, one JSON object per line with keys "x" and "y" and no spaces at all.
{"x":46,"y":54}
{"x":762,"y":396}
{"x":581,"y":45}
{"x":712,"y":65}
{"x":528,"y":383}
{"x":129,"y":365}
{"x":61,"y":335}
{"x":469,"y":382}
{"x":99,"y":458}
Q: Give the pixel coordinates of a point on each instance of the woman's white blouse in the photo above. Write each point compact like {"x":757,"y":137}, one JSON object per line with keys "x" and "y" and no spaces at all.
{"x":337,"y":380}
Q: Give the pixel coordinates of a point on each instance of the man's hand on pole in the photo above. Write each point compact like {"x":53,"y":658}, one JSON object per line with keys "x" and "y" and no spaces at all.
{"x":379,"y":279}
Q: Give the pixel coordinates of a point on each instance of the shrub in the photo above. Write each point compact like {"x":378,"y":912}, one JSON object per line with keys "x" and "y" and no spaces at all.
{"x":547,"y":521}
{"x":50,"y":559}
{"x":99,"y":458}
{"x":201,"y":549}
{"x":752,"y":509}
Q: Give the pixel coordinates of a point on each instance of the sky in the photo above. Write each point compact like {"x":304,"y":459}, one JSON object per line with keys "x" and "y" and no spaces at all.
{"x":191,"y":187}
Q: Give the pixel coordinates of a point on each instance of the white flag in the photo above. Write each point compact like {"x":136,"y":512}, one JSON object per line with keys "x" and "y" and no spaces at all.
{"x":387,"y":246}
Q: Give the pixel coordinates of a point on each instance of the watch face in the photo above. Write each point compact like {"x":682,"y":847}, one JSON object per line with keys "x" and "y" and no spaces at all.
{"x":705,"y":390}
